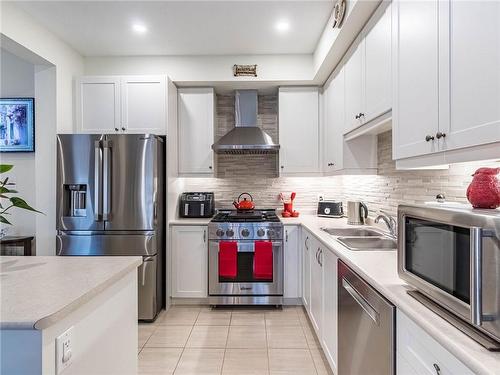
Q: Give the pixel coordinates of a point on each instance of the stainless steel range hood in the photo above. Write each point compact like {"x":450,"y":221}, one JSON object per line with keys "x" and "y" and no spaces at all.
{"x":246,"y":137}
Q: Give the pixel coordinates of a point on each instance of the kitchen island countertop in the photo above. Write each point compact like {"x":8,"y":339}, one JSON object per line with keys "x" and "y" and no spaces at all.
{"x":39,"y":291}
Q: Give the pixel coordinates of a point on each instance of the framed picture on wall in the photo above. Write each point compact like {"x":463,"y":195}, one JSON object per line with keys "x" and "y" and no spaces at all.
{"x":17,"y":124}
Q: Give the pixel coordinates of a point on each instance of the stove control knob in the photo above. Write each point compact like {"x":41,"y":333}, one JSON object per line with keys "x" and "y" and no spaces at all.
{"x":245,"y":232}
{"x":270,"y":233}
{"x":219,"y":232}
{"x":261,"y":232}
{"x":230,"y":233}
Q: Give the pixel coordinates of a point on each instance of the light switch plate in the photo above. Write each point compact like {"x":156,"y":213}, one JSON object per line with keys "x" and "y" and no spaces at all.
{"x":64,"y":350}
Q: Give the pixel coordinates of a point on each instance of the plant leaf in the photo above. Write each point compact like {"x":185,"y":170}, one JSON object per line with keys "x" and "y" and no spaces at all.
{"x":5,"y":167}
{"x":4,"y":190}
{"x":3,"y":220}
{"x":21,"y":203}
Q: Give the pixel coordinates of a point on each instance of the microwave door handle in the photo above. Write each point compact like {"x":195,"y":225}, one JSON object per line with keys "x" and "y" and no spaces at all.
{"x":476,"y":242}
{"x":97,"y":181}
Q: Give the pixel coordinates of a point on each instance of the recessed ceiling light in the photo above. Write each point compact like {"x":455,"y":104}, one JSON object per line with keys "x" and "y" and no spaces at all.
{"x":139,"y":28}
{"x":282,"y":26}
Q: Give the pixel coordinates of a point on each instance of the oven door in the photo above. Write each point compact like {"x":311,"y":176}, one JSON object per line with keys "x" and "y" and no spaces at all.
{"x":436,"y":258}
{"x":244,"y":284}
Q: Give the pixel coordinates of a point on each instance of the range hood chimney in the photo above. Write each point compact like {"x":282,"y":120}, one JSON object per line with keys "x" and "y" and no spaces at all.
{"x":246,"y":137}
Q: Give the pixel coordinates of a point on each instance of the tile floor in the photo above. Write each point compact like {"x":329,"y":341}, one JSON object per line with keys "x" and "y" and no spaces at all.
{"x":230,"y":341}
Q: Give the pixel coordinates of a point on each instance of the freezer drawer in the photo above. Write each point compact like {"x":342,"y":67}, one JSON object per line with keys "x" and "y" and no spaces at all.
{"x":365,"y":327}
{"x":103,"y":244}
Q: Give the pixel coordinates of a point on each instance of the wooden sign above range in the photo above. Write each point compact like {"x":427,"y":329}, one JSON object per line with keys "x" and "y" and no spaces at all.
{"x":245,"y":70}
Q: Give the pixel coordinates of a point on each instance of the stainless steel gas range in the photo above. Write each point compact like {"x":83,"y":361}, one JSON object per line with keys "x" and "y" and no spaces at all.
{"x":245,"y":258}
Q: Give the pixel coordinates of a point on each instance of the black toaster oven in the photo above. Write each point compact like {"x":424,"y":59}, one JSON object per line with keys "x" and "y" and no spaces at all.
{"x":197,"y":205}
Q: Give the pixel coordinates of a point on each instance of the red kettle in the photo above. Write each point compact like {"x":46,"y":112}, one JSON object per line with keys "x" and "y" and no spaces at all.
{"x":245,"y":204}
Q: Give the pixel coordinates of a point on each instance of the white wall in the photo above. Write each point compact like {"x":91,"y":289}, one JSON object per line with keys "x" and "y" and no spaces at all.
{"x":184,"y":70}
{"x":17,"y":79}
{"x":24,"y":30}
{"x":56,"y":66}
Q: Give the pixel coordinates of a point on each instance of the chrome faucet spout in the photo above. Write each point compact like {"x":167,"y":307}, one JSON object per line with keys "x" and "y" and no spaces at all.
{"x":389,"y":221}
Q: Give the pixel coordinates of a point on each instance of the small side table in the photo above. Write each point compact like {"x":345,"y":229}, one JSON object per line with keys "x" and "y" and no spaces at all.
{"x":9,"y":242}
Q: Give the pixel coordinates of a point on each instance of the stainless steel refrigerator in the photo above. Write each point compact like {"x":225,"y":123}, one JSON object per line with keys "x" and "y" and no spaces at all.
{"x":111,"y":201}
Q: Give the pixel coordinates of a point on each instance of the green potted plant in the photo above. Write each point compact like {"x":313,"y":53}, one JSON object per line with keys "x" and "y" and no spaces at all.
{"x":8,"y":197}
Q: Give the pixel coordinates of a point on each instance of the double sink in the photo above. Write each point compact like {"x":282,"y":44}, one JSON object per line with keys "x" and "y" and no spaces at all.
{"x":363,"y":239}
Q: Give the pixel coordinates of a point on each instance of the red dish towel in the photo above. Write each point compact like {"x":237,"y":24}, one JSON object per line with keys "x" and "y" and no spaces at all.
{"x":263,"y":260}
{"x":228,"y":259}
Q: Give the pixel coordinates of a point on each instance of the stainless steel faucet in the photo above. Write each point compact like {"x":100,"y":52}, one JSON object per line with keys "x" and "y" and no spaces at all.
{"x":389,"y":221}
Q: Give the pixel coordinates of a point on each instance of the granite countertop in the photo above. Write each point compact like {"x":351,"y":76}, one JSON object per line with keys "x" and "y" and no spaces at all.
{"x":38,"y":291}
{"x":379,"y":269}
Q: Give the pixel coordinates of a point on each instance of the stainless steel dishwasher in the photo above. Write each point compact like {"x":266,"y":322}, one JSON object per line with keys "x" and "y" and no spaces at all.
{"x":366,"y":322}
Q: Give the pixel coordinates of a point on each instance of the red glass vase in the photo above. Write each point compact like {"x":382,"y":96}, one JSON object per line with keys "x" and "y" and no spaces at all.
{"x":484,"y":190}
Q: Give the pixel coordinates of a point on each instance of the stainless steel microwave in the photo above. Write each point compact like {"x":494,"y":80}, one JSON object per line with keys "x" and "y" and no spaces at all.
{"x":452,"y":256}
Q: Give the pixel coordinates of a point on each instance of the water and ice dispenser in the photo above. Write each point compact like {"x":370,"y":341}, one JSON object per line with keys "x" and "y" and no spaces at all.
{"x":75,"y":200}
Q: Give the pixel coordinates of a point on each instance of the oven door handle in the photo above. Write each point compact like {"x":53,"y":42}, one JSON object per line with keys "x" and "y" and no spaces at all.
{"x":476,"y":242}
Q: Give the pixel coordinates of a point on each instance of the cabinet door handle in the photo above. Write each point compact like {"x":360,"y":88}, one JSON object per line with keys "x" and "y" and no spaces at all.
{"x":286,"y":235}
{"x":282,"y":166}
{"x":429,"y":138}
{"x":357,"y":117}
{"x":321,"y":258}
{"x":209,"y":167}
{"x":204,"y":236}
{"x":123,"y":128}
{"x":305,"y":243}
{"x":440,"y":135}
{"x":116,"y":129}
{"x":331,"y":164}
{"x":437,"y":368}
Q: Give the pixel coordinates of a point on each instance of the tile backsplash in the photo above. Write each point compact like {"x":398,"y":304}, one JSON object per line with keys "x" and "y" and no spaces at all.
{"x":386,"y":190}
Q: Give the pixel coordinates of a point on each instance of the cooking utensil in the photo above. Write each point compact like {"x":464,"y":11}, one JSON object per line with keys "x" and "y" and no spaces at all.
{"x":245,"y":204}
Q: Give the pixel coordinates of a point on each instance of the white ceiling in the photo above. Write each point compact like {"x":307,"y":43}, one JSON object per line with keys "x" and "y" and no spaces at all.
{"x":102,"y":28}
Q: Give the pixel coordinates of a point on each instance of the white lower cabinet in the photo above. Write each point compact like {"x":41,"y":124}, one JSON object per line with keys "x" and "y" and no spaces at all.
{"x":316,"y":310}
{"x":329,"y":333}
{"x":292,"y":262}
{"x":306,"y":240}
{"x":419,"y":353}
{"x":189,"y":267}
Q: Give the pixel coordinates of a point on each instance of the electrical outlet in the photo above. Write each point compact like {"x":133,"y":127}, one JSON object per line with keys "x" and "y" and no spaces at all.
{"x":64,"y":350}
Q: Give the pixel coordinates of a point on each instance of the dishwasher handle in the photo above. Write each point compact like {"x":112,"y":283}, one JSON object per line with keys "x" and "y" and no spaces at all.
{"x":372,"y":313}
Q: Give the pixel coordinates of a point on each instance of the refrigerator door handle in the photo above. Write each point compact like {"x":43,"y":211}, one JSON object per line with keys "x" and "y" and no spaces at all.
{"x":97,"y":181}
{"x":106,"y":209}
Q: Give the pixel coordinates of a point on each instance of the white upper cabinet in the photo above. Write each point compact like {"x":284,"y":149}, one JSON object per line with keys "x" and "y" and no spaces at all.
{"x":144,"y":104}
{"x":299,"y":130}
{"x":446,"y":91}
{"x":474,"y":81}
{"x":121,"y":104}
{"x":353,"y":69}
{"x":415,"y":115}
{"x":377,"y":64}
{"x":340,"y":156}
{"x":196,"y":116}
{"x":333,"y":101}
{"x":368,"y":91}
{"x":98,"y":104}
